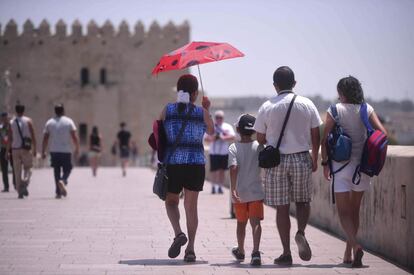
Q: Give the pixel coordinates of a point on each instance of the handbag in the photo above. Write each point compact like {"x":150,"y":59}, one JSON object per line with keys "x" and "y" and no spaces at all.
{"x":26,"y":141}
{"x":160,"y":186}
{"x":269,"y":157}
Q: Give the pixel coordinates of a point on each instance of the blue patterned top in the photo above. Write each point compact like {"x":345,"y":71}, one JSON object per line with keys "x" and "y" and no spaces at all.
{"x":190,"y":150}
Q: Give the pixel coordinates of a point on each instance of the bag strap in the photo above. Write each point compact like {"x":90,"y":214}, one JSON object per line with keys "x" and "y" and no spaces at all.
{"x":285,"y":122}
{"x":20,"y":131}
{"x":334,"y":113}
{"x":363,"y":113}
{"x":180,"y":133}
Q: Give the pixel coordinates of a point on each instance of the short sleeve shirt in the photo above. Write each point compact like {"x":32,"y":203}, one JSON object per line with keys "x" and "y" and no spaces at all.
{"x":303,"y":117}
{"x":221,"y":147}
{"x":59,"y":130}
{"x":245,"y":157}
{"x":350,"y":121}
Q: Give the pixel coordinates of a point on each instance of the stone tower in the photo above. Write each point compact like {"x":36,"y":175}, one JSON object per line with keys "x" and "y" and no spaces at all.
{"x":103,"y":76}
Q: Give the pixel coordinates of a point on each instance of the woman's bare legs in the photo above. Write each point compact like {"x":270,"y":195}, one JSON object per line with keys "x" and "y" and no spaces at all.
{"x":173,"y":213}
{"x":348,"y":205}
{"x":191,"y":212}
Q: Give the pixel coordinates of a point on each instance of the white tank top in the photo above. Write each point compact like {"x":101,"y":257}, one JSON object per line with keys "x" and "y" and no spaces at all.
{"x":24,"y":127}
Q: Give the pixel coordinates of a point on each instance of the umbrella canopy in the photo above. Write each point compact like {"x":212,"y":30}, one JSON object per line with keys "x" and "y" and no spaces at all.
{"x":196,"y":53}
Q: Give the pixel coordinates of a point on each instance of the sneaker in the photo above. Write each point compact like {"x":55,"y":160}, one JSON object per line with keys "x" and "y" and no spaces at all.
{"x":220,"y":191}
{"x":305,"y":252}
{"x":175,"y":249}
{"x":25,"y":192}
{"x":20,"y":196}
{"x":62,"y":188}
{"x":213,"y":190}
{"x":237,"y":254}
{"x":285,"y":260}
{"x":58,"y":196}
{"x":5,"y":190}
{"x":256,"y":259}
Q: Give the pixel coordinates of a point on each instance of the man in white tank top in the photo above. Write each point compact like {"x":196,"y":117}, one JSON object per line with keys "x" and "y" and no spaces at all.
{"x":23,"y":148}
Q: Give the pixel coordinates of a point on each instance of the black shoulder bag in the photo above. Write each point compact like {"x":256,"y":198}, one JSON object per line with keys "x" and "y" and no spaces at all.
{"x":160,"y":187}
{"x":26,"y":141}
{"x":269,"y":157}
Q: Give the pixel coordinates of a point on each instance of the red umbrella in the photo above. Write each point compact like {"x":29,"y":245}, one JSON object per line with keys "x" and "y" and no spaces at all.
{"x":196,"y":53}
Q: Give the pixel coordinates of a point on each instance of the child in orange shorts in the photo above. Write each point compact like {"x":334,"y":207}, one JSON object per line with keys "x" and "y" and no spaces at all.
{"x":246,"y":187}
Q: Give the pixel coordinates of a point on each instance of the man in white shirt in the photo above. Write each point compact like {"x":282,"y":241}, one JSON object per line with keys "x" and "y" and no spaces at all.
{"x":23,"y":149}
{"x":219,"y":150}
{"x":58,"y":133}
{"x":291,"y":180}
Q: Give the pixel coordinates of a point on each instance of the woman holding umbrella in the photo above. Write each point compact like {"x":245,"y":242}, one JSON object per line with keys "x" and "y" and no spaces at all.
{"x":185,"y":163}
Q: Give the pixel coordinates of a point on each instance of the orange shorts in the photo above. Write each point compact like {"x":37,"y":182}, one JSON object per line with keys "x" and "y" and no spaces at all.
{"x":246,"y":210}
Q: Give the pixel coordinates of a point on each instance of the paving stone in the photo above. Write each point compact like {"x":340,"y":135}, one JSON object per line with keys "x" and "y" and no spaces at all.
{"x":112,"y":225}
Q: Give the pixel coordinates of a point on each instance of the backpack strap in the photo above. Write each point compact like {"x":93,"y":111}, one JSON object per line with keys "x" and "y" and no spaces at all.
{"x":334,"y":113}
{"x":363,"y":113}
{"x":332,"y":173}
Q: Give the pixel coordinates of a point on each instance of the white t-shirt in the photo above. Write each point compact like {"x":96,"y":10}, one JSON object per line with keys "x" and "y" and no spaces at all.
{"x":303,"y":117}
{"x":24,"y":127}
{"x":350,"y":121}
{"x":245,"y":157}
{"x":221,"y":147}
{"x":59,"y":130}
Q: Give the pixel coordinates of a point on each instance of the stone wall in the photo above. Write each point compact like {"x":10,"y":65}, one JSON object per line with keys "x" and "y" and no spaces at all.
{"x":45,"y":68}
{"x":387,"y":211}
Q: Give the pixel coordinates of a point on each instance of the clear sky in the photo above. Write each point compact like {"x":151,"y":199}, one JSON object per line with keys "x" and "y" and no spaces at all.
{"x":321,"y":40}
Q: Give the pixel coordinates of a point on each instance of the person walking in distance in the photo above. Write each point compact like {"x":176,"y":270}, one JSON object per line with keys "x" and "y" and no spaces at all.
{"x":95,"y":149}
{"x":4,"y":140}
{"x":124,"y":142}
{"x":23,"y":149}
{"x":219,"y":150}
{"x":291,"y":180}
{"x":57,"y":135}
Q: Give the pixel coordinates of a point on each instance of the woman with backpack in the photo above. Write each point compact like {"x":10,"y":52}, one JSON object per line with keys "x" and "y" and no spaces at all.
{"x":348,"y":196}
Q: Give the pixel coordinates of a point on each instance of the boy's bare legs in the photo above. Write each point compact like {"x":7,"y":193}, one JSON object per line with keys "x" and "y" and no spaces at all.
{"x":257,"y":233}
{"x":171,"y":205}
{"x":283,"y":226}
{"x":191,"y":212}
{"x":241,"y":235}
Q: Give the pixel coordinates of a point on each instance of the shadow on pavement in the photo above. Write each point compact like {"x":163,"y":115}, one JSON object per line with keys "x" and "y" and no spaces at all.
{"x":159,"y":262}
{"x":273,"y":266}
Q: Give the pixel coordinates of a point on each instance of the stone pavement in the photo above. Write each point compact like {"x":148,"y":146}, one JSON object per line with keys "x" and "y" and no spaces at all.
{"x":114,"y":225}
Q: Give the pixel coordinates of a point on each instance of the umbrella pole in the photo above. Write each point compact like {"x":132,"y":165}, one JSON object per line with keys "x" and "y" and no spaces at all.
{"x":201,"y":80}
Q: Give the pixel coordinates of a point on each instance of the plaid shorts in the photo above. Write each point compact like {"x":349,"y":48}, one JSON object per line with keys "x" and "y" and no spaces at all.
{"x":290,"y":181}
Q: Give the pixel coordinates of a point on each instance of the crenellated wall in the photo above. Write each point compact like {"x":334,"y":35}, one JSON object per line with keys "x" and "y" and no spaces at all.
{"x":45,"y":68}
{"x":170,"y":30}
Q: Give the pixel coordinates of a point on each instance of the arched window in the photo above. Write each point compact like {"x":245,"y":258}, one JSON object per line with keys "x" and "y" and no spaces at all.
{"x":102,"y":76}
{"x":84,"y":76}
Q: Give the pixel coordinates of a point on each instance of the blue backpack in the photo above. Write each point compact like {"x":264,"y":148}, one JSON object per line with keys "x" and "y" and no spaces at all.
{"x":338,"y":147}
{"x":339,"y":144}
